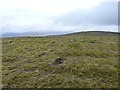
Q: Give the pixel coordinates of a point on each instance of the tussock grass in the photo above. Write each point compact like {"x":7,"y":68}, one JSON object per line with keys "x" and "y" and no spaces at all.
{"x":27,"y":61}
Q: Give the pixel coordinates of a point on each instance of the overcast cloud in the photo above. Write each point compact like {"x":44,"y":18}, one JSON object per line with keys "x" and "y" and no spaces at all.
{"x":104,"y":14}
{"x":58,"y":15}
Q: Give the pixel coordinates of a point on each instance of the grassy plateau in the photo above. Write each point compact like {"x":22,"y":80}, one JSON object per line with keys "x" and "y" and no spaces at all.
{"x":78,"y":60}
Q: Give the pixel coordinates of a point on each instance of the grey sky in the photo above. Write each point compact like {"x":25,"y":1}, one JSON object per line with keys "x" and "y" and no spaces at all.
{"x":58,"y":15}
{"x":104,"y":14}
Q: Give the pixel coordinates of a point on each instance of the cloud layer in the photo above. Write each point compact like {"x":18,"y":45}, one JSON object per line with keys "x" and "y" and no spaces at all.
{"x":63,"y":15}
{"x":104,"y":14}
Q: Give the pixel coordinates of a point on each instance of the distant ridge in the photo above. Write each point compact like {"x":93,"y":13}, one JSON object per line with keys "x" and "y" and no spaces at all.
{"x":38,"y":34}
{"x":95,"y":33}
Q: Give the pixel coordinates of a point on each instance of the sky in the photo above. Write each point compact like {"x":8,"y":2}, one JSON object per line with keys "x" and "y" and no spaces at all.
{"x":58,"y":15}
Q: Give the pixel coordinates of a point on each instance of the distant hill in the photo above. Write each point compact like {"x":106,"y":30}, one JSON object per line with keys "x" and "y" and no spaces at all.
{"x":96,"y":33}
{"x":42,"y":33}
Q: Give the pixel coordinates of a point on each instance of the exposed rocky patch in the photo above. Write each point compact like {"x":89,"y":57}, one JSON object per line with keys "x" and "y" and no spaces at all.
{"x":58,"y":61}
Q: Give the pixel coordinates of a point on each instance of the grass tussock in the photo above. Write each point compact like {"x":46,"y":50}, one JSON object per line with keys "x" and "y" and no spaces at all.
{"x":89,"y":62}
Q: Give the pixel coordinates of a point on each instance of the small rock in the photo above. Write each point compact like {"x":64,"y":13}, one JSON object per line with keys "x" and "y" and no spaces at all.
{"x":11,"y":41}
{"x":72,"y":40}
{"x":91,"y":42}
{"x":58,"y":60}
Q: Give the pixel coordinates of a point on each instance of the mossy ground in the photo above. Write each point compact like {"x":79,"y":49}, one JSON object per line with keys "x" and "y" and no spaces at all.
{"x":27,"y":62}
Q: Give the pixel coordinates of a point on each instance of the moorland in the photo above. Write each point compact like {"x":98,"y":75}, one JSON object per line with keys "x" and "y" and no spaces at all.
{"x":78,"y":60}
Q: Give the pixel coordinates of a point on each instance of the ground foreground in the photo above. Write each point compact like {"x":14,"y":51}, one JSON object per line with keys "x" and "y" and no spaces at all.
{"x":68,"y":61}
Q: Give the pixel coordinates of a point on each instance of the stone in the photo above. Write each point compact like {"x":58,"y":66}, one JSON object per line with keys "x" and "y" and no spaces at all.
{"x":58,"y":60}
{"x":91,"y":42}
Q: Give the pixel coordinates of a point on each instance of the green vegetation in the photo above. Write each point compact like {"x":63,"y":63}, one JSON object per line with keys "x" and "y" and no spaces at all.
{"x":27,"y":62}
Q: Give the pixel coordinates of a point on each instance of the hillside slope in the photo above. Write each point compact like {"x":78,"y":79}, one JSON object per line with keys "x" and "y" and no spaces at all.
{"x":67,"y":61}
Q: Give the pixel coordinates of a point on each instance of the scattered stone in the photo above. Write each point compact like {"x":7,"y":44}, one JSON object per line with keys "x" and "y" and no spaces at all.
{"x":72,"y":40}
{"x":58,"y":60}
{"x":11,"y":41}
{"x":91,"y":42}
